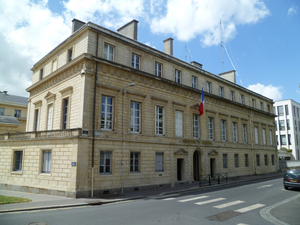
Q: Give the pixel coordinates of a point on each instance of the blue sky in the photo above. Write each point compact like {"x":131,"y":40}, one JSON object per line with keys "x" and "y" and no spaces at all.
{"x":261,"y":36}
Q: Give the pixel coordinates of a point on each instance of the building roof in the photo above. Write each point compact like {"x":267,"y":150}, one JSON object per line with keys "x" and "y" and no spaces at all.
{"x":9,"y":120}
{"x":4,"y":97}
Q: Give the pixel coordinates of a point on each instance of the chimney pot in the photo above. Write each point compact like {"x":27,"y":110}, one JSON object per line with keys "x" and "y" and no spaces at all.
{"x":76,"y":24}
{"x":129,"y":30}
{"x":168,"y":46}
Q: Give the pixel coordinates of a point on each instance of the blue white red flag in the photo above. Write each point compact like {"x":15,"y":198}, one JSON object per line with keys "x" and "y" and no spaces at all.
{"x":201,"y":107}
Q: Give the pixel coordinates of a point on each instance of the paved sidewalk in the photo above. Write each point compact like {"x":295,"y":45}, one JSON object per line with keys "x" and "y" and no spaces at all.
{"x":40,"y":201}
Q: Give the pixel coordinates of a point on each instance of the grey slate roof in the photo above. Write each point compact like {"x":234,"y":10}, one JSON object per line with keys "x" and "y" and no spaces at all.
{"x":9,"y":120}
{"x":13,"y":99}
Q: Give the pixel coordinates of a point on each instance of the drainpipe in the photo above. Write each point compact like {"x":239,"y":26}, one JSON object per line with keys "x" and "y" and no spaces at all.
{"x":94,"y":119}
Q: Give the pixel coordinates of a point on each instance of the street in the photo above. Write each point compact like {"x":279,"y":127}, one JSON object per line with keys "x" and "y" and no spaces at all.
{"x":234,"y":205}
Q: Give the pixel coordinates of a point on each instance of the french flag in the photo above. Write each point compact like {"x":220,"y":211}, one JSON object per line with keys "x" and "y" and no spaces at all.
{"x":201,"y":107}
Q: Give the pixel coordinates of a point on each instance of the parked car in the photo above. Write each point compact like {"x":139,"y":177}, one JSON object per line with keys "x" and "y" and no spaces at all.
{"x":291,"y":179}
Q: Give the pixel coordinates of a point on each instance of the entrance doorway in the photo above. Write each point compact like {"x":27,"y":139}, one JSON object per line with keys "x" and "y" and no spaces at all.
{"x":179,"y":169}
{"x":196,"y":165}
{"x":212,"y":167}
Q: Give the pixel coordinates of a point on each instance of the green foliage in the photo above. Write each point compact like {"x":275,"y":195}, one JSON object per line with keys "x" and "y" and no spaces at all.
{"x":10,"y":200}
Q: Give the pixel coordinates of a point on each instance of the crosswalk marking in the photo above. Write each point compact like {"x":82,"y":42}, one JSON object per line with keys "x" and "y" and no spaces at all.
{"x":191,"y":199}
{"x":251,"y":207}
{"x":210,"y":201}
{"x":168,"y":199}
{"x":228,"y":204}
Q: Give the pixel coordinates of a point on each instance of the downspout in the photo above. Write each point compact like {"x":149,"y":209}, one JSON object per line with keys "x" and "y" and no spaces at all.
{"x":94,"y":119}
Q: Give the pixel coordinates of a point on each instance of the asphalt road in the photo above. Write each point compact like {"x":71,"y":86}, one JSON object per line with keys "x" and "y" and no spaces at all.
{"x":233,"y":205}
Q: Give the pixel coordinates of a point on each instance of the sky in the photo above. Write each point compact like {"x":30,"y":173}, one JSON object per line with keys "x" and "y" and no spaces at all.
{"x":260,"y":38}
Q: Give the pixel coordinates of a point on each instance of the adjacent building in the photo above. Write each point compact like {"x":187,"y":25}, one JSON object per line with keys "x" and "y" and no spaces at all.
{"x":287,"y":124}
{"x":13,"y":113}
{"x":109,"y":114}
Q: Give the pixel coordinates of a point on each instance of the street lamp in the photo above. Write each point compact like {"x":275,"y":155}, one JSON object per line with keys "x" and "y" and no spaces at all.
{"x":123,"y":92}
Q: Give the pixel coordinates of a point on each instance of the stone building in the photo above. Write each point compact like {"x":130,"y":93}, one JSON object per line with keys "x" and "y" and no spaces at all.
{"x":109,"y":114}
{"x":13,"y":113}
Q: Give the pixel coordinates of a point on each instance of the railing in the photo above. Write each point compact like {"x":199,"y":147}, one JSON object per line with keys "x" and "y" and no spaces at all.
{"x":209,"y":179}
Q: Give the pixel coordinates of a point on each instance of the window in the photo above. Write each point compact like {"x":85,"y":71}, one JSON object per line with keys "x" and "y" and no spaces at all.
{"x":223,"y":127}
{"x":17,"y":113}
{"x":234,"y":128}
{"x":261,"y":106}
{"x":294,"y":110}
{"x":210,"y":128}
{"x":271,"y":139}
{"x":245,"y":133}
{"x":18,"y":157}
{"x":253,"y":103}
{"x":268,"y":107}
{"x":46,"y":161}
{"x":257,"y":160}
{"x":208,"y":87}
{"x":274,"y":110}
{"x":2,"y":110}
{"x":177,"y":76}
{"x":288,"y":124}
{"x":273,"y":161}
{"x":50,"y":117}
{"x":232,"y":95}
{"x":107,"y":113}
{"x":65,"y":113}
{"x":277,"y":139}
{"x":280,"y":110}
{"x":246,"y":160}
{"x":105,"y":162}
{"x":282,"y":139}
{"x":134,"y":162}
{"x":275,"y":125}
{"x":266,"y":160}
{"x":41,"y":73}
{"x":178,"y":124}
{"x":158,"y":69}
{"x":242,"y":99}
{"x":221,"y":90}
{"x":194,"y":82}
{"x":281,"y":125}
{"x":286,"y":110}
{"x":135,"y":117}
{"x":296,"y":125}
{"x":135,"y":62}
{"x":159,"y":162}
{"x":36,"y":119}
{"x":196,"y":127}
{"x":225,"y":165}
{"x":289,"y":139}
{"x":159,"y":120}
{"x":70,"y":52}
{"x":108,"y":52}
{"x":54,"y":65}
{"x":298,"y":112}
{"x":256,"y":135}
{"x":264,"y":136}
{"x":236,"y":160}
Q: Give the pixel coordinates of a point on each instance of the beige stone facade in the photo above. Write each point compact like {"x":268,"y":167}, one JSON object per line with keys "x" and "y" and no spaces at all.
{"x":145,"y":135}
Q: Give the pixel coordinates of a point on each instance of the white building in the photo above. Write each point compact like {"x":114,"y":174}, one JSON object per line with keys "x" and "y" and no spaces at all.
{"x":287,"y":128}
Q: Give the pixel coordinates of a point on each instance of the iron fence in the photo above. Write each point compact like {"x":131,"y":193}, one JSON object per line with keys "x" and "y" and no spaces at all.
{"x":209,"y":179}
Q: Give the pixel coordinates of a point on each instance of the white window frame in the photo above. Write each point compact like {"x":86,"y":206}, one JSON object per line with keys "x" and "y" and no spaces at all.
{"x":158,"y":69}
{"x":17,"y":160}
{"x":135,"y":61}
{"x":245,"y":133}
{"x":281,"y":139}
{"x":261,"y":106}
{"x":109,"y":52}
{"x":256,"y":135}
{"x":281,"y":125}
{"x":105,"y":162}
{"x":70,"y":55}
{"x":159,"y":161}
{"x":159,"y":120}
{"x":17,"y":113}
{"x":242,"y":99}
{"x":264,"y":136}
{"x":211,"y":128}
{"x":135,"y":117}
{"x":49,"y":116}
{"x":234,"y":130}
{"x":223,"y":128}
{"x":196,"y":126}
{"x":2,"y":111}
{"x":135,"y":162}
{"x":178,"y":123}
{"x":280,"y":112}
{"x":106,"y":123}
{"x":177,"y":76}
{"x":208,"y":87}
{"x":232,"y":95}
{"x":221,"y":91}
{"x":46,"y":166}
{"x":194,"y":82}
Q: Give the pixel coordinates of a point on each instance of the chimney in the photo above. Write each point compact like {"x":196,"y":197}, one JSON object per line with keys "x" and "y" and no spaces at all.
{"x":196,"y":64}
{"x":168,"y":46}
{"x":230,"y":75}
{"x":76,"y":24}
{"x":129,"y":30}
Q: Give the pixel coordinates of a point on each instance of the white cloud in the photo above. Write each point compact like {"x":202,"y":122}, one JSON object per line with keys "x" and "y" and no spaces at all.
{"x":191,"y":18}
{"x":298,"y":92}
{"x":269,"y":91}
{"x":149,"y":44}
{"x":292,"y":10}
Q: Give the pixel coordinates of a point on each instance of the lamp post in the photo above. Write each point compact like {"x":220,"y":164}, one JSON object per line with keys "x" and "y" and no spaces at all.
{"x":123,"y":92}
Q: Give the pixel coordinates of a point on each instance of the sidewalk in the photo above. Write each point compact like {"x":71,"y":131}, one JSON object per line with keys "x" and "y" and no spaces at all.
{"x":40,"y":201}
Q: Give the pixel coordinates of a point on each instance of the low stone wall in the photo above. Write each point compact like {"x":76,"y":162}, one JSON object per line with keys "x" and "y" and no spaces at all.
{"x":284,"y":164}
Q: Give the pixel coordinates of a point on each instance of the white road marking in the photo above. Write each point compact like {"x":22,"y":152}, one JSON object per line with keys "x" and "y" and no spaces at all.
{"x":191,"y":199}
{"x":210,"y":201}
{"x":251,"y":207}
{"x":264,"y":186}
{"x":242,"y":224}
{"x":228,"y":204}
{"x":168,"y":199}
